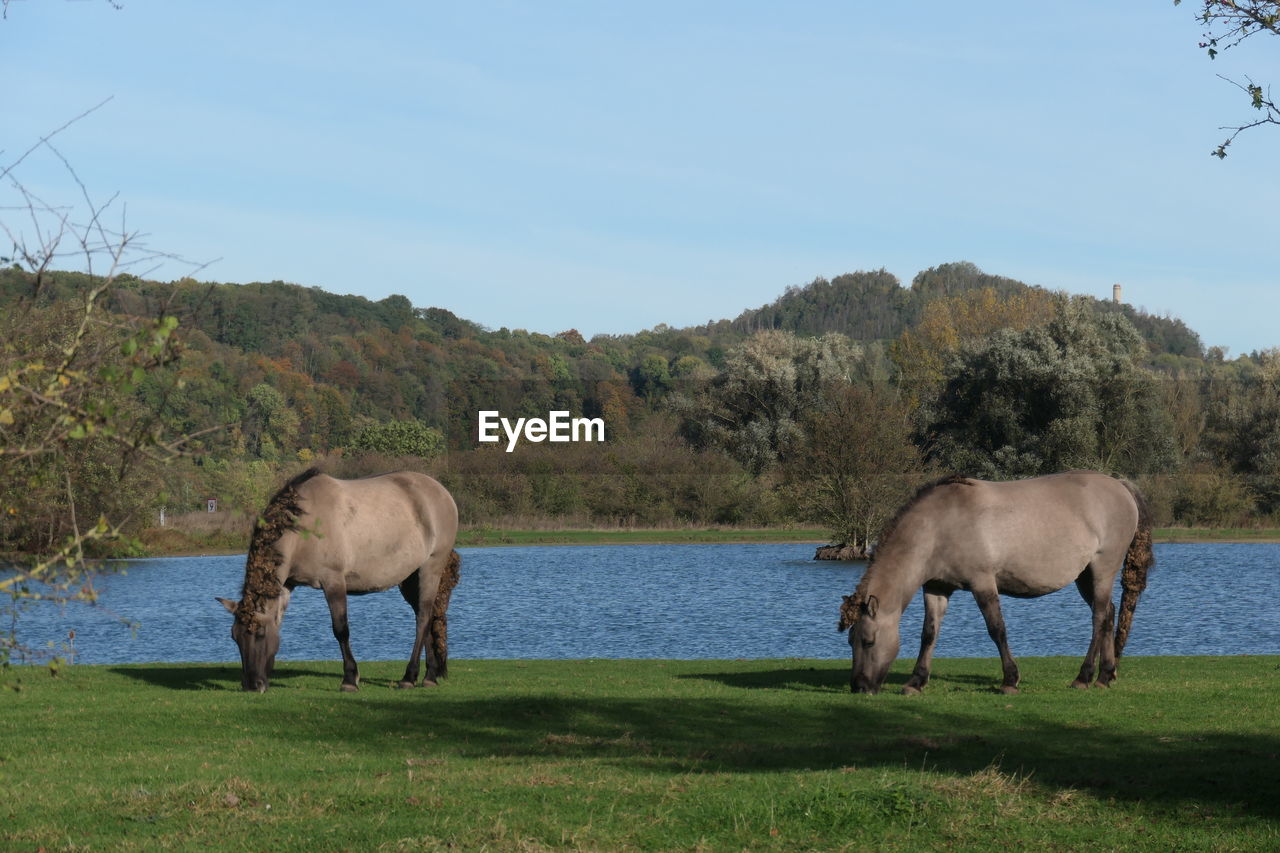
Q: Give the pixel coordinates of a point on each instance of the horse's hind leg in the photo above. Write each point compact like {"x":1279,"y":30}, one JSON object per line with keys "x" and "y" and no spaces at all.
{"x":430,"y":603}
{"x":1101,"y":647}
{"x":411,"y":590}
{"x":337,"y":600}
{"x":935,"y":607}
{"x":989,"y":602}
{"x":1106,"y":642}
{"x":1084,"y":584}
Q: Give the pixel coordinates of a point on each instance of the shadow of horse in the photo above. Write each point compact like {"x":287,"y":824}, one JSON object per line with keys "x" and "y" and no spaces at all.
{"x":206,"y":677}
{"x":806,"y":678}
{"x":814,"y":678}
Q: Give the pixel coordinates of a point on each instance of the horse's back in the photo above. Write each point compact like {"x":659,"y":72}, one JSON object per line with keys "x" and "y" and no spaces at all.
{"x":403,"y":492}
{"x":1035,"y":535}
{"x":374,"y":531}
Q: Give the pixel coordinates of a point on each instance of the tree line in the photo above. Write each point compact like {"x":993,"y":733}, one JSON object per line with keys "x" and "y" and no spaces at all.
{"x":826,"y":406}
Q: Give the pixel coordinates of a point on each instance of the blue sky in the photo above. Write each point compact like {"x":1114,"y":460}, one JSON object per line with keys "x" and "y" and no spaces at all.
{"x":612,"y":166}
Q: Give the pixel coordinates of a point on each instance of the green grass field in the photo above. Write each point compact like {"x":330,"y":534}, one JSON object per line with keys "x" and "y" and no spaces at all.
{"x":1184,"y":753}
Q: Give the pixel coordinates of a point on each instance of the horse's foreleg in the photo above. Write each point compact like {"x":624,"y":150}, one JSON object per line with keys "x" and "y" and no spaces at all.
{"x":935,"y":607}
{"x":989,"y":602}
{"x":337,"y":599}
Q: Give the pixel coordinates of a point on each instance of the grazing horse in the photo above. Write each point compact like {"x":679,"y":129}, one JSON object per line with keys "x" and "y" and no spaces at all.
{"x":1024,"y":538}
{"x":349,"y":537}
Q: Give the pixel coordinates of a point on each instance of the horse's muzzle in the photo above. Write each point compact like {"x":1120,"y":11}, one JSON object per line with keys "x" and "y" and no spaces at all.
{"x":862,"y":684}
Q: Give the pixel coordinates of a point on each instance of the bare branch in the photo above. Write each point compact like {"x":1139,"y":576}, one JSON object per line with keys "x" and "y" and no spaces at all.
{"x":1228,"y":23}
{"x":71,"y":380}
{"x":4,"y":172}
{"x":1260,"y":101}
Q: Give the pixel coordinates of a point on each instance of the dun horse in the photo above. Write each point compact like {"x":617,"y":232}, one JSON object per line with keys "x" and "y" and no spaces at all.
{"x":349,"y":537}
{"x":1025,"y":538}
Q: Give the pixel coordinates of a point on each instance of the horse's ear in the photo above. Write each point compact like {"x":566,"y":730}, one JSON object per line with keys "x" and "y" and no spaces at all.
{"x":872,"y":605}
{"x":230,"y":605}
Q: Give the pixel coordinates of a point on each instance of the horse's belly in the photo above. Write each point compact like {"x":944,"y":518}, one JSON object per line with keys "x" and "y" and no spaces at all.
{"x":382,"y":573}
{"x":363,"y":589}
{"x":1034,"y":585}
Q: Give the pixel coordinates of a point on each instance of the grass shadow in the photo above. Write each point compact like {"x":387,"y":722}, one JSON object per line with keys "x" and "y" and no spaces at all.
{"x":791,"y":678}
{"x":833,"y":678}
{"x":709,"y":735}
{"x":794,"y":717}
{"x":207,"y":677}
{"x":800,"y":718}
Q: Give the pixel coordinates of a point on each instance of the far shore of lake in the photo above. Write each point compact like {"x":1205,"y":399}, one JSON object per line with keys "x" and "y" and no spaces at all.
{"x":484,"y":537}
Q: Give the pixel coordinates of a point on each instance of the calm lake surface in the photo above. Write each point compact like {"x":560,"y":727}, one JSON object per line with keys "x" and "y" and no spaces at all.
{"x":660,"y":601}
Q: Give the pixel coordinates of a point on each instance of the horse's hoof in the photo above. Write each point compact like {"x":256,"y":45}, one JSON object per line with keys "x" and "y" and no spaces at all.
{"x":427,"y":682}
{"x":1008,"y":689}
{"x":349,"y":688}
{"x":910,"y":690}
{"x":405,"y":685}
{"x":1080,"y":685}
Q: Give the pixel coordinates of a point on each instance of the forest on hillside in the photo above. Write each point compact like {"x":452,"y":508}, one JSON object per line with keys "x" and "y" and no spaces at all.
{"x":826,"y":406}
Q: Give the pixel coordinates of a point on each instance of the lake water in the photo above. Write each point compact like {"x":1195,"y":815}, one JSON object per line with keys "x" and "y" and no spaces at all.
{"x":660,"y":601}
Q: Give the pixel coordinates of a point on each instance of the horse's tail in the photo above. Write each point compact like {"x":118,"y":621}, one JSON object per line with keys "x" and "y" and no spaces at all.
{"x":1137,"y":562}
{"x":439,"y":628}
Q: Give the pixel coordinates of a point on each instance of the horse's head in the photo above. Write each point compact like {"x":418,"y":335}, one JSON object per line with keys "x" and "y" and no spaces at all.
{"x":257,"y":635}
{"x":873,"y":635}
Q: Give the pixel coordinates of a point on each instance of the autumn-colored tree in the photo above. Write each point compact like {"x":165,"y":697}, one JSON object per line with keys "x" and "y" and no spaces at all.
{"x":1071,"y":393}
{"x":922,"y":351}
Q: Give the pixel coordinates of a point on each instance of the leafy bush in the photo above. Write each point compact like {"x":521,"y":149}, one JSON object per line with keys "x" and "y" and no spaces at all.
{"x":1209,"y":498}
{"x":400,"y":438}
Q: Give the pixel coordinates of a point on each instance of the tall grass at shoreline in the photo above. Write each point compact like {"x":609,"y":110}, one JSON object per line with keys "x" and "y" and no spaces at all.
{"x":205,"y":533}
{"x":231,"y":536}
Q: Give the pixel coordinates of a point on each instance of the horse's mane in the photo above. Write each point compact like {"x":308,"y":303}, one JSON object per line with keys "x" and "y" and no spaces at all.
{"x":891,"y":527}
{"x":851,"y":607}
{"x":280,"y":516}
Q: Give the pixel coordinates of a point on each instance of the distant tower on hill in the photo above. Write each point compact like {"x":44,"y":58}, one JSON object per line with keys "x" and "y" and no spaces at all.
{"x":1115,"y":294}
